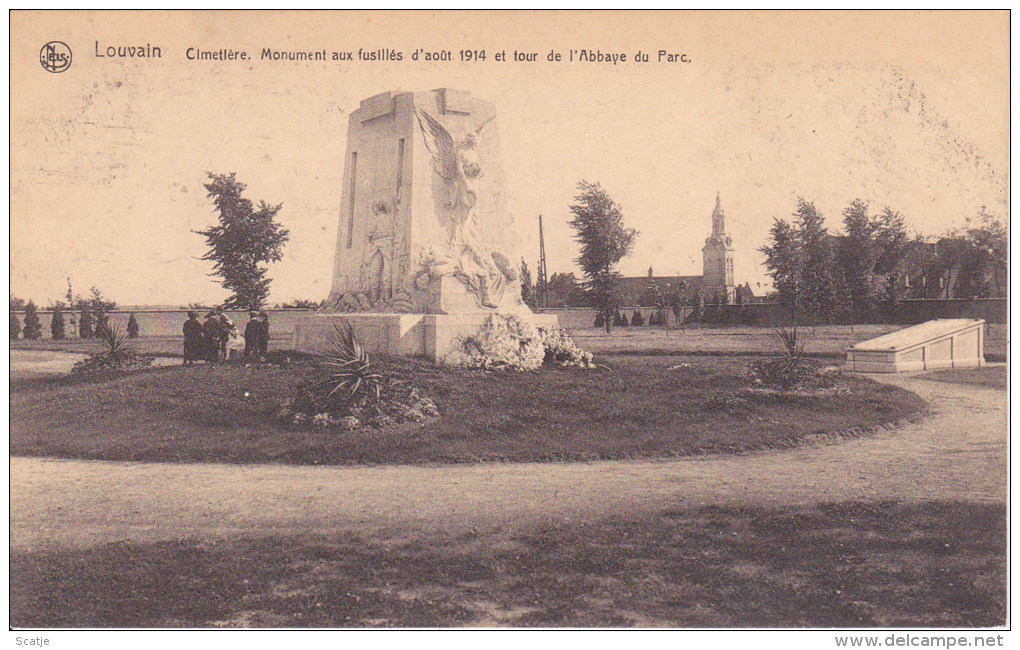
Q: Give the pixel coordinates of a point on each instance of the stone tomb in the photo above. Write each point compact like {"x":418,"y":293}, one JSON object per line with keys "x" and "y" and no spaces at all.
{"x":425,"y":251}
{"x":940,"y":343}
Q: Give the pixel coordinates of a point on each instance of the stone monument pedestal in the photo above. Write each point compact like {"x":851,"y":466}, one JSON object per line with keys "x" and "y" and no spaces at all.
{"x":435,"y":336}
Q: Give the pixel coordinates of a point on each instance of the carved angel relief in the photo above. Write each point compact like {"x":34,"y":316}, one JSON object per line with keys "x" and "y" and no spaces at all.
{"x":482,"y":270}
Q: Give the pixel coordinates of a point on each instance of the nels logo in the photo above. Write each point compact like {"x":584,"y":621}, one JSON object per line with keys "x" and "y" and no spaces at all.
{"x":55,"y":57}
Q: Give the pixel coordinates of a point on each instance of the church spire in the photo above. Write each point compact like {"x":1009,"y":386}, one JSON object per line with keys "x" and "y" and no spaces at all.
{"x":718,"y":217}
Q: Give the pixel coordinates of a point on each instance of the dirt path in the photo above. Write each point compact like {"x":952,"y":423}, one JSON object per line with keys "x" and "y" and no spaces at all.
{"x":958,"y":453}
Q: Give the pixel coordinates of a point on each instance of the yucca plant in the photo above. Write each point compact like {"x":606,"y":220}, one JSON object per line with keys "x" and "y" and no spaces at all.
{"x":114,"y":353}
{"x":112,"y":340}
{"x":349,"y":372}
{"x":791,"y":342}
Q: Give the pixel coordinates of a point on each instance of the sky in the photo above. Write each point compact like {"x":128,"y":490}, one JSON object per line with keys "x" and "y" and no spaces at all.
{"x":902,"y":109}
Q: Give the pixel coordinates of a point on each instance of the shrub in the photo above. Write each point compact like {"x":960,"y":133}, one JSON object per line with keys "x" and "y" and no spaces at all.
{"x":15,"y":327}
{"x":791,"y":371}
{"x":57,"y":324}
{"x":637,"y":319}
{"x":350,"y":394}
{"x":33,"y":328}
{"x":85,"y":323}
{"x":348,"y":370}
{"x":132,"y":327}
{"x":599,"y":320}
{"x":788,"y":373}
{"x":115,"y":355}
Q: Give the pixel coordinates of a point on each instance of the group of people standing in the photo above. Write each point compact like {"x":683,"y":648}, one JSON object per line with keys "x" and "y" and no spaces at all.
{"x":218,"y":339}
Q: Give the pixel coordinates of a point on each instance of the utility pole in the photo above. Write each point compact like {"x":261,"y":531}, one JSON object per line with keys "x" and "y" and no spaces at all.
{"x":542,"y":279}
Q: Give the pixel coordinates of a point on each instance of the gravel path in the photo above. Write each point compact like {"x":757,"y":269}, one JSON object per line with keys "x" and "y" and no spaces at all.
{"x":958,"y":453}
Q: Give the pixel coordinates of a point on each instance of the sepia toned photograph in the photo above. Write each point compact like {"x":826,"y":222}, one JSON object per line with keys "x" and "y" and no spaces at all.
{"x":510,"y":320}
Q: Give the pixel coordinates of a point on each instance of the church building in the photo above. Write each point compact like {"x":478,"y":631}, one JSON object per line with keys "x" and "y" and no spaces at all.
{"x":717,"y":282}
{"x":717,"y":259}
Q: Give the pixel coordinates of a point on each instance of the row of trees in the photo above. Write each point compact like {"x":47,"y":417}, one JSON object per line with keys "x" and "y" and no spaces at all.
{"x":855,"y":273}
{"x":84,"y":315}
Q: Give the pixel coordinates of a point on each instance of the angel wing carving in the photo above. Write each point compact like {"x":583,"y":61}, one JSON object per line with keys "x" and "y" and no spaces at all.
{"x":440,"y":143}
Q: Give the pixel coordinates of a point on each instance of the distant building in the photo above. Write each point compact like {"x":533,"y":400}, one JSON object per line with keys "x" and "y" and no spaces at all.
{"x":717,"y":282}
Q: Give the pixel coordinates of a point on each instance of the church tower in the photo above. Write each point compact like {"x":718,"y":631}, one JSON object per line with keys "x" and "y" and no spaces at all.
{"x":717,"y":254}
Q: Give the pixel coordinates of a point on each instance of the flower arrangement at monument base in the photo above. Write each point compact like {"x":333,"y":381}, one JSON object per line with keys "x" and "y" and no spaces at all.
{"x":509,"y":342}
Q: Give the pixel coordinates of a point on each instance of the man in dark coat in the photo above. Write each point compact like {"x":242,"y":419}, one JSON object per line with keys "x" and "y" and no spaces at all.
{"x":252,"y":335}
{"x":264,"y":338}
{"x":192,"y":339}
{"x":211,"y":334}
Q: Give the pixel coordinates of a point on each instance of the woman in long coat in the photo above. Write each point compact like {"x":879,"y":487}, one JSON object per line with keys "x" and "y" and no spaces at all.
{"x":211,"y":332}
{"x":193,"y":340}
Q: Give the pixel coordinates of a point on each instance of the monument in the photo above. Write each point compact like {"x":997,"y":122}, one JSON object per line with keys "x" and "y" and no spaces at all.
{"x":425,"y":250}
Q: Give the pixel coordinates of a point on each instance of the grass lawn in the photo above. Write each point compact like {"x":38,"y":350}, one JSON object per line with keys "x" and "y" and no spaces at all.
{"x":642,"y":407}
{"x":826,"y":341}
{"x":834,"y":565}
{"x":990,"y":377}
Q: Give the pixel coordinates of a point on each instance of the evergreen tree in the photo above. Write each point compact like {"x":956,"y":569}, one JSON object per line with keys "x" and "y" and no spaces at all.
{"x":637,"y":319}
{"x":527,"y":288}
{"x":600,"y":319}
{"x":93,"y":312}
{"x":85,"y":322}
{"x":57,"y":323}
{"x":132,"y":327}
{"x":244,"y":241}
{"x":15,"y":331}
{"x":33,"y":328}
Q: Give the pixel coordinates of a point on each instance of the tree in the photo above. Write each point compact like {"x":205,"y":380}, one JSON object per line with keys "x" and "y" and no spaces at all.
{"x":989,"y":241}
{"x":817,"y":286}
{"x":598,"y":222}
{"x":892,"y":241}
{"x":857,"y":254}
{"x":650,"y":296}
{"x":132,"y":327}
{"x":243,"y":242}
{"x":563,"y":290}
{"x":85,"y":320}
{"x":15,"y":330}
{"x":93,"y":312}
{"x":527,"y":288}
{"x":33,"y":328}
{"x":57,"y":322}
{"x":17,"y":304}
{"x":784,"y":261}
